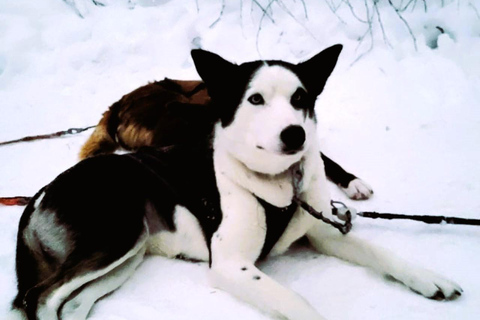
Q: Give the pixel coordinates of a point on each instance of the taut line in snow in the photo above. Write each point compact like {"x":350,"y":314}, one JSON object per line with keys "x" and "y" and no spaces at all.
{"x":48,"y":136}
{"x":341,"y":210}
{"x":422,"y":218}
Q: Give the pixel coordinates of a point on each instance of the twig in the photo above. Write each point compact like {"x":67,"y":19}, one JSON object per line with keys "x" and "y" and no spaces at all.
{"x":260,"y":25}
{"x":406,"y":24}
{"x":47,"y":136}
{"x":407,"y":5}
{"x":470,"y":4}
{"x":282,"y":5}
{"x":334,"y":10}
{"x":71,"y":3}
{"x":305,"y":9}
{"x":220,"y":16}
{"x":265,"y":12}
{"x":347,"y":2}
{"x":370,"y":32}
{"x":385,"y":39}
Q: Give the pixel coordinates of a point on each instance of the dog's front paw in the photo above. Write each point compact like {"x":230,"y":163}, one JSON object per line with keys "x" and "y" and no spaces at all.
{"x":434,"y":286}
{"x":358,"y":190}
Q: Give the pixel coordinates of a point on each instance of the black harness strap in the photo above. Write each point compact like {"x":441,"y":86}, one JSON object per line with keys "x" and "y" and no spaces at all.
{"x":277,"y":220}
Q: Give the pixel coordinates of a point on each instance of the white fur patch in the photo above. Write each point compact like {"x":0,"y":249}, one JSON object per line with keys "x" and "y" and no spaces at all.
{"x":39,"y":200}
{"x":79,"y":307}
{"x":187,"y":240}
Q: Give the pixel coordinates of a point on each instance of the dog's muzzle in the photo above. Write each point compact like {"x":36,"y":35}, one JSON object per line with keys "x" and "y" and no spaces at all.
{"x":293,"y":138}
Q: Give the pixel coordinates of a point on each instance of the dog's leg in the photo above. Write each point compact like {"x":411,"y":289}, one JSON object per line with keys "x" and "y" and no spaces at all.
{"x":330,"y":241}
{"x":235,"y":247}
{"x":44,"y":300}
{"x":354,"y":187}
{"x":347,"y":247}
{"x":79,"y":306}
{"x":243,"y":280}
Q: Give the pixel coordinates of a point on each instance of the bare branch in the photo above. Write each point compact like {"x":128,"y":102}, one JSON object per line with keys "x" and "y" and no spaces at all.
{"x":347,"y":2}
{"x":282,"y":5}
{"x":304,"y":9}
{"x":407,"y":5}
{"x":406,"y":25}
{"x":385,"y":39}
{"x":260,"y":25}
{"x":334,"y":10}
{"x":470,"y":4}
{"x":265,"y":12}
{"x":71,"y":3}
{"x":220,"y":16}
{"x":368,"y":32}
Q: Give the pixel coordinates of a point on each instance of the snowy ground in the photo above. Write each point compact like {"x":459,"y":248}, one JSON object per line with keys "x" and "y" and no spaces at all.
{"x":406,"y":120}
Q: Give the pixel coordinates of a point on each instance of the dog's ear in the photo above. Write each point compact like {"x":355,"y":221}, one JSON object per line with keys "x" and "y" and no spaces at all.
{"x":315,"y":71}
{"x":225,"y":83}
{"x":213,"y":69}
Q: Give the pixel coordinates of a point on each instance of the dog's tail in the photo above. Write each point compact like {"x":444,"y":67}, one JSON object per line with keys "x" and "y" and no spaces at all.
{"x":101,"y":141}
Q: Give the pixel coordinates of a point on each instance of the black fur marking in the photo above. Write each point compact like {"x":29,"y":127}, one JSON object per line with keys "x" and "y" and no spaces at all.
{"x":227,"y":82}
{"x":190,"y":179}
{"x":244,"y":269}
{"x":336,"y":173}
{"x":301,"y":100}
{"x":102,"y":203}
{"x":256,"y":277}
{"x":277,"y":220}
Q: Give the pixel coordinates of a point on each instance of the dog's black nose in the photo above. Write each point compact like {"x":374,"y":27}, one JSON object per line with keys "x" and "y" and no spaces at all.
{"x":293,"y":138}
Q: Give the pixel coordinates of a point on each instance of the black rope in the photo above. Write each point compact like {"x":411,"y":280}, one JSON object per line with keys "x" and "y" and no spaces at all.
{"x":47,"y":136}
{"x":340,"y":209}
{"x":424,"y":219}
{"x":22,"y":200}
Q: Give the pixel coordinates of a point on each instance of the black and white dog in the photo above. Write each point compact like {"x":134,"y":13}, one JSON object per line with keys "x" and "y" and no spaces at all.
{"x":85,"y":233}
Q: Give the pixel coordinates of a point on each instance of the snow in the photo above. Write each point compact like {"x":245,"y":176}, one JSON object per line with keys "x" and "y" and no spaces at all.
{"x":407,"y":121}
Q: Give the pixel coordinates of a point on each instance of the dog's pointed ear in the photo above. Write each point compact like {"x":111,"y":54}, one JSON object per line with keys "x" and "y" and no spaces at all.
{"x":213,"y":69}
{"x":315,"y":71}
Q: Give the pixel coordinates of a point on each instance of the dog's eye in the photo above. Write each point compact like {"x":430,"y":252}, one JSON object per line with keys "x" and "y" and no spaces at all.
{"x":299,"y":95}
{"x":256,"y":99}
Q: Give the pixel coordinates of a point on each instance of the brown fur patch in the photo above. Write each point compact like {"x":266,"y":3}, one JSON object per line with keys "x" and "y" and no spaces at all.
{"x":163,"y":113}
{"x":134,"y":135}
{"x":99,"y":141}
